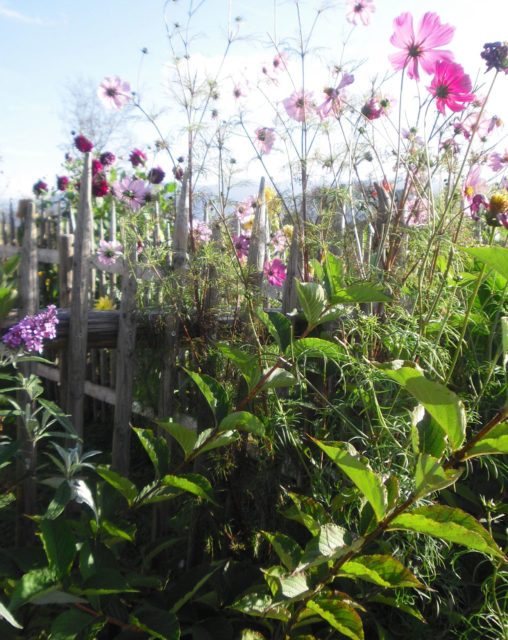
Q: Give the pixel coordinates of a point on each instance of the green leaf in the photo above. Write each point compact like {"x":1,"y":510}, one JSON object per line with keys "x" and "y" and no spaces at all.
{"x":70,"y":624}
{"x":59,"y":545}
{"x":246,"y":362}
{"x":286,"y":548}
{"x":333,"y":275}
{"x":278,"y":325}
{"x":279,"y":378}
{"x":494,"y":257}
{"x":450,"y":524}
{"x":32,"y":584}
{"x":339,"y":615}
{"x":427,"y":435}
{"x":495,"y":442}
{"x":195,"y":588}
{"x":430,"y":475}
{"x":220,"y":440}
{"x":262,"y":606}
{"x":8,"y":617}
{"x":313,"y":300}
{"x":442,"y":404}
{"x":368,"y":483}
{"x":106,"y":582}
{"x":382,"y":570}
{"x":360,"y":293}
{"x":307,"y":512}
{"x":192,"y":483}
{"x":293,"y":587}
{"x":243,"y":421}
{"x":185,"y":437}
{"x":213,"y":392}
{"x":62,"y":497}
{"x":156,"y":448}
{"x":316,"y":348}
{"x":121,"y":484}
{"x":160,"y":624}
{"x":397,"y":604}
{"x":330,"y":543}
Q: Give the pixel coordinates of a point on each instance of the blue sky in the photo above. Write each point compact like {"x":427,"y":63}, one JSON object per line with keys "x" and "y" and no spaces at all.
{"x":47,"y":43}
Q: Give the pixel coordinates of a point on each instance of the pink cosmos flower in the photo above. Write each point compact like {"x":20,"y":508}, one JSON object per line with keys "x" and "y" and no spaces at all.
{"x":371,"y":110}
{"x":279,"y":241}
{"x":299,"y":105}
{"x":109,"y":252}
{"x":473,"y":184}
{"x":264,"y":140}
{"x":245,"y":209}
{"x":202,"y":232}
{"x":239,"y":91}
{"x":420,"y":47}
{"x":359,"y":10}
{"x":131,"y":191}
{"x":498,"y":161}
{"x":450,"y":86}
{"x":97,"y":167}
{"x":478,"y":203}
{"x":280,"y":61}
{"x":334,"y":98}
{"x":40,"y":187}
{"x":137,"y":158}
{"x":275,"y":272}
{"x":114,"y":93}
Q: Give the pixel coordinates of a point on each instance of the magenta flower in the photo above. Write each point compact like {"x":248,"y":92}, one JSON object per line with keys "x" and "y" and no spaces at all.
{"x":264,"y":140}
{"x":299,"y":105}
{"x":498,"y":161}
{"x":241,"y":244}
{"x":82,"y":144}
{"x":239,"y":91}
{"x":450,"y":86}
{"x":97,"y":167}
{"x":202,"y":232}
{"x":109,"y":252}
{"x":107,"y":158}
{"x":132,"y":192}
{"x":359,"y":10}
{"x":137,"y":158}
{"x":114,"y":93}
{"x":62,"y":182}
{"x":275,"y":272}
{"x":100,"y":186}
{"x":371,"y":110}
{"x":420,"y":47}
{"x":40,"y":187}
{"x":479,"y":203}
{"x":30,"y":332}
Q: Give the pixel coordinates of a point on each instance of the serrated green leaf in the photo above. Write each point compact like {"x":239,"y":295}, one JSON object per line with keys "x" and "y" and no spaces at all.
{"x":330,"y":543}
{"x":213,"y":392}
{"x":156,"y":448}
{"x":360,"y":293}
{"x":442,"y":404}
{"x":191,"y":483}
{"x":368,"y":483}
{"x":106,"y":582}
{"x":185,"y":437}
{"x":59,"y":545}
{"x":293,"y":587}
{"x":247,"y":363}
{"x":333,"y":275}
{"x":120,"y":483}
{"x":450,"y":524}
{"x":307,"y":511}
{"x":243,"y":421}
{"x":160,"y":624}
{"x":430,"y":475}
{"x":313,"y":300}
{"x":262,"y":606}
{"x":278,"y":325}
{"x":286,"y":548}
{"x":190,"y":593}
{"x":495,"y":442}
{"x":316,"y":348}
{"x":494,"y":257}
{"x":339,"y":615}
{"x":397,"y":604}
{"x":427,"y":435}
{"x":220,"y":440}
{"x":382,"y":570}
{"x":279,"y":378}
{"x":69,"y":624}
{"x":31,"y":584}
{"x":60,"y":500}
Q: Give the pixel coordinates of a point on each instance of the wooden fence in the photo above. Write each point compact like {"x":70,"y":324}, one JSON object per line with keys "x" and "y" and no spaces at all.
{"x":68,"y":242}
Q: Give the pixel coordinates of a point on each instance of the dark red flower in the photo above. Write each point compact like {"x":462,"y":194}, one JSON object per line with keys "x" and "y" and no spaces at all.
{"x":97,"y":167}
{"x":137,"y":158}
{"x":107,"y":158}
{"x":178,"y":173}
{"x":40,"y":187}
{"x":100,"y":186}
{"x":156,"y":175}
{"x":82,"y":144}
{"x":62,"y":182}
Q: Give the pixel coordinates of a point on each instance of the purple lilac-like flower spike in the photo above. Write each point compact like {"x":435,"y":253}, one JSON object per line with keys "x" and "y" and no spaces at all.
{"x":31,"y":331}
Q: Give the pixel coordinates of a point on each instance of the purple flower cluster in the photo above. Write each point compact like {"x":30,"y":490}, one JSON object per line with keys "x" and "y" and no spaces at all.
{"x":30,"y":332}
{"x":495,"y":55}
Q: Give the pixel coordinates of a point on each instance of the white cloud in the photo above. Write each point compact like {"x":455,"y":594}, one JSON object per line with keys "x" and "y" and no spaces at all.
{"x":11,"y":14}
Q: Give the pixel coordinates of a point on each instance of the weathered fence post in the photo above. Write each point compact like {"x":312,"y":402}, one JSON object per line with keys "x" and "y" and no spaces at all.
{"x":258,"y":241}
{"x":125,"y":369}
{"x":65,"y":251}
{"x":295,"y":268}
{"x":29,"y":296}
{"x":79,"y":303}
